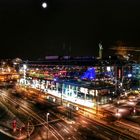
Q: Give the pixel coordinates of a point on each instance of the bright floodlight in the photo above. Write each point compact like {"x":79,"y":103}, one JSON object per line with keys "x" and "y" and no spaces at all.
{"x":25,"y":66}
{"x":44,"y":5}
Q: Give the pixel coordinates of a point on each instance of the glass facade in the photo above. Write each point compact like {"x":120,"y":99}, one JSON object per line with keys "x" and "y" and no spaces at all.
{"x":71,"y":90}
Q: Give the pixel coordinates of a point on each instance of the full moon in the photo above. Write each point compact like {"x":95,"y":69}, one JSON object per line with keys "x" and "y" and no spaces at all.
{"x":44,"y":5}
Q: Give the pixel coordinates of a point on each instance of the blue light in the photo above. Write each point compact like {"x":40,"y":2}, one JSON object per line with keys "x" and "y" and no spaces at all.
{"x":89,"y":74}
{"x":129,"y":75}
{"x":109,"y":74}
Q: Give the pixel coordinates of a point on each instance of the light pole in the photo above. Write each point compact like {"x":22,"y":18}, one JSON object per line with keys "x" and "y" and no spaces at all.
{"x":47,"y":115}
{"x":118,"y":115}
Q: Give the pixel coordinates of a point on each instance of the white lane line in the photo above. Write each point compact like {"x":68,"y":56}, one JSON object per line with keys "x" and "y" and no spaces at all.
{"x":66,"y":127}
{"x":74,"y":138}
{"x":95,"y":127}
{"x":79,"y":133}
{"x":84,"y":122}
{"x":59,"y":124}
{"x":108,"y":133}
{"x":66,"y":130}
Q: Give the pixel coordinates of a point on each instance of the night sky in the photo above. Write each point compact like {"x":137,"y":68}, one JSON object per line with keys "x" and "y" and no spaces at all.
{"x":66,"y":27}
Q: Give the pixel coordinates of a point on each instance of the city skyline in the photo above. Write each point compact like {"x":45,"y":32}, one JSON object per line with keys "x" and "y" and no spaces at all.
{"x":74,"y":99}
{"x":72,"y":27}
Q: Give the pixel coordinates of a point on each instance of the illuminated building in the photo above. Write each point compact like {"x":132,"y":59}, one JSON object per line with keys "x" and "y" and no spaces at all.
{"x":135,"y":76}
{"x":79,"y":79}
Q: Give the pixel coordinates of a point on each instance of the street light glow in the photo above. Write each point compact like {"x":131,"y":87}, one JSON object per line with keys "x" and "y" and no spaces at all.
{"x":47,"y":114}
{"x":118,"y":114}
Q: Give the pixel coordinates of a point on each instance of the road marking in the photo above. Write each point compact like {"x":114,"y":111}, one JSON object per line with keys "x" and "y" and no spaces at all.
{"x":89,"y":128}
{"x":104,"y":137}
{"x":59,"y":124}
{"x":84,"y":122}
{"x":79,"y":133}
{"x":66,"y":130}
{"x":95,"y":127}
{"x":74,"y":138}
{"x":107,"y":133}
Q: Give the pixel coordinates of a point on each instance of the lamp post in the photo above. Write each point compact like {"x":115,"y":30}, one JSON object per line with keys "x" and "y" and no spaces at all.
{"x":47,"y":115}
{"x":118,"y":115}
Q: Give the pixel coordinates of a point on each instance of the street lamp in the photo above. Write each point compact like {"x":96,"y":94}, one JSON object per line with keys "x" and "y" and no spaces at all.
{"x":118,"y":115}
{"x":47,"y":115}
{"x":134,"y":110}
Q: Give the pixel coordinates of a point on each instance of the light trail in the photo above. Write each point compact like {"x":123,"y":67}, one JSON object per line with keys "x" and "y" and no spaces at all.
{"x":108,"y":128}
{"x":35,"y":116}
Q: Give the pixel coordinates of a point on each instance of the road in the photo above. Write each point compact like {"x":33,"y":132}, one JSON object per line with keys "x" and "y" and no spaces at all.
{"x":60,"y":127}
{"x":4,"y":137}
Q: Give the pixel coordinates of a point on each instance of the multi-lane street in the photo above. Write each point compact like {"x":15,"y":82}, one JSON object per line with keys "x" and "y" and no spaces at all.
{"x":58,"y":128}
{"x":62,"y":124}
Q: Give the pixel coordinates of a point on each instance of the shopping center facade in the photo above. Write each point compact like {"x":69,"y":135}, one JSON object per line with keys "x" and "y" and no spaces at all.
{"x":84,"y":81}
